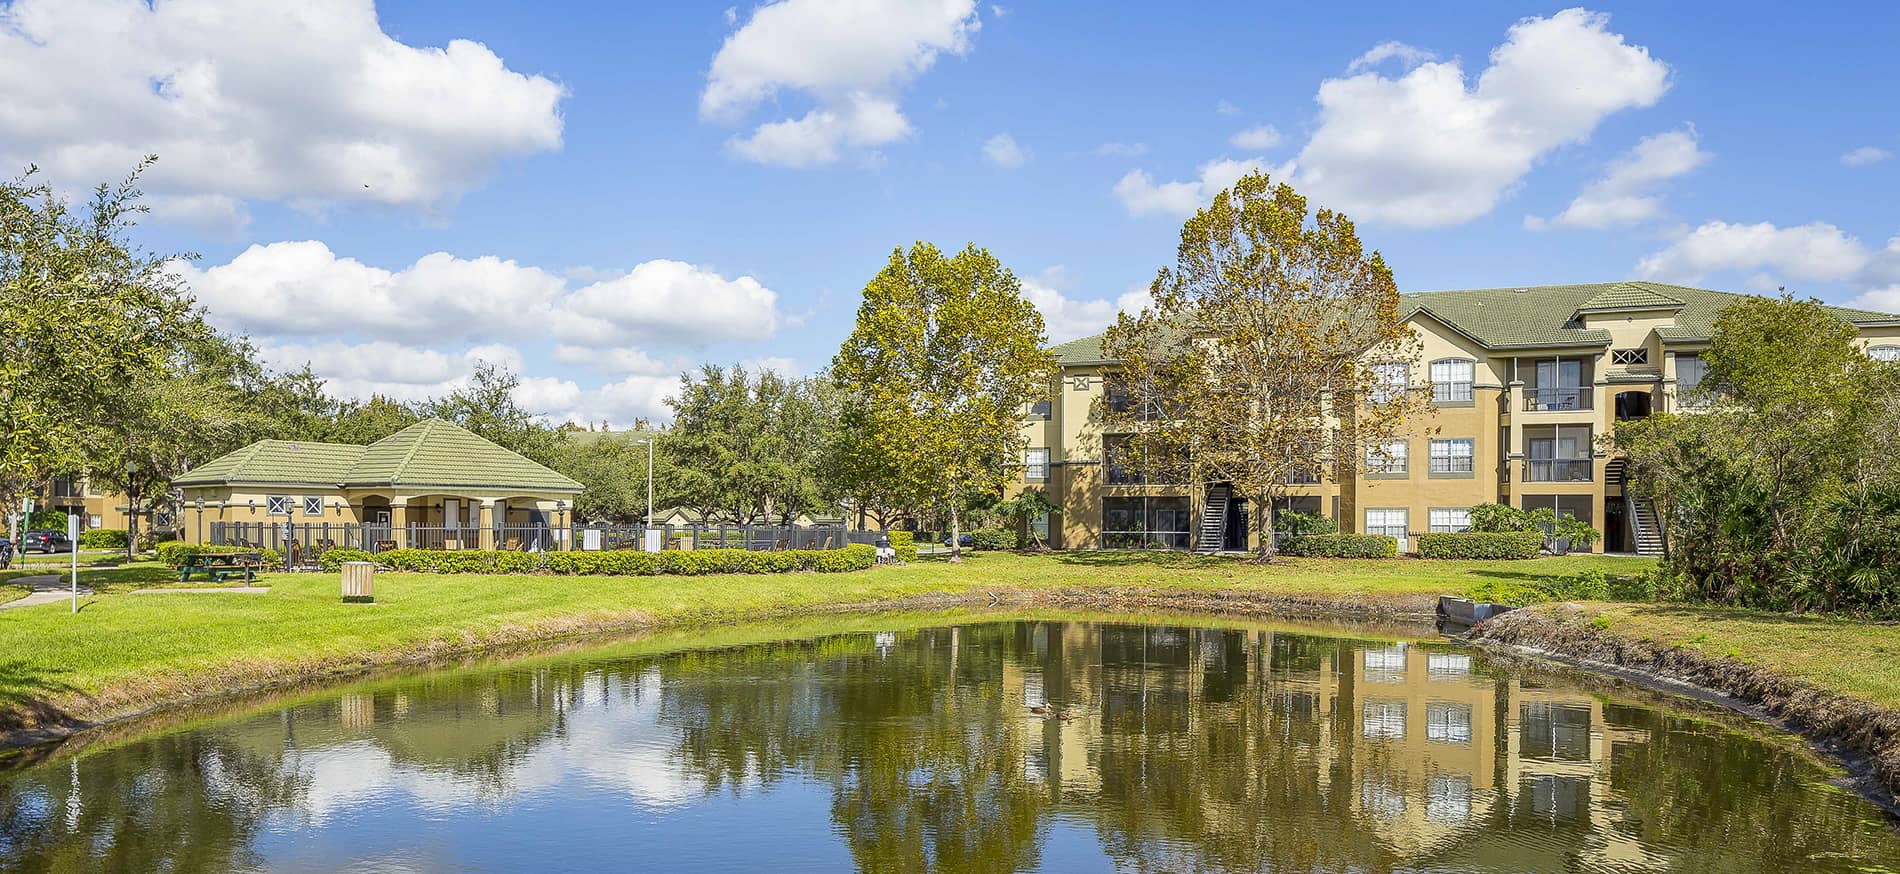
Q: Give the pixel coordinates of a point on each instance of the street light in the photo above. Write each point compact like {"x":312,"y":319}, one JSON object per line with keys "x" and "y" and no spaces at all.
{"x":649,"y":443}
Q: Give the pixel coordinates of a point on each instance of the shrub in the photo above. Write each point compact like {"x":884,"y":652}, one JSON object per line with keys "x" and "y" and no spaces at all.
{"x":619,"y":562}
{"x":1593,"y":585}
{"x":905,"y":542}
{"x":102,"y":538}
{"x":1497,"y":518}
{"x":1341,"y":546}
{"x":993,"y":538}
{"x":1481,"y":545}
{"x":332,"y":559}
{"x":46,"y":520}
{"x":1297,"y":523}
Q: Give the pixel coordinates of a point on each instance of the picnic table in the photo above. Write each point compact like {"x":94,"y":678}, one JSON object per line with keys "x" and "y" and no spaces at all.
{"x":219,"y":565}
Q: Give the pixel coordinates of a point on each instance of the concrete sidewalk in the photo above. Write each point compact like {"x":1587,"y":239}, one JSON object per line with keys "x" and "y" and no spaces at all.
{"x":47,"y":589}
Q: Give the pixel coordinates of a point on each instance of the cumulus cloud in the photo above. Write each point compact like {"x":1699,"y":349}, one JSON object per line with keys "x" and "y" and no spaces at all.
{"x":1407,"y":56}
{"x":1141,"y":195}
{"x":309,"y":104}
{"x":1003,"y":151}
{"x":1260,"y":136}
{"x":1067,"y":318}
{"x":1814,"y":252}
{"x":1624,"y":196}
{"x":1865,"y":155}
{"x":303,"y":288}
{"x":1226,"y":108}
{"x":1429,"y":148}
{"x":851,"y":60}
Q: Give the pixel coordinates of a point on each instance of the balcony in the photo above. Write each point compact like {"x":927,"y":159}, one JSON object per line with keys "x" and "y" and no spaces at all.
{"x":1557,"y":470}
{"x":1568,"y":397}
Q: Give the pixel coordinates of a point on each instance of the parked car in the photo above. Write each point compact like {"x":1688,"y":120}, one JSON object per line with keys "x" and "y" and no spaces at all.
{"x":967,"y":540}
{"x":45,"y":541}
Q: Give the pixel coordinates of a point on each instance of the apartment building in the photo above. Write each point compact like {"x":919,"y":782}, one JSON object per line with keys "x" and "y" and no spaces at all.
{"x":1524,"y":381}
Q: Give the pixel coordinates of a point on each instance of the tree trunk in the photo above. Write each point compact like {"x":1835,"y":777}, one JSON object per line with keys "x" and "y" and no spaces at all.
{"x":1263,"y":523}
{"x":956,"y":536}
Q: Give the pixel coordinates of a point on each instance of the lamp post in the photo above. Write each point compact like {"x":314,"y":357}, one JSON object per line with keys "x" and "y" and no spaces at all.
{"x":649,"y":443}
{"x":201,"y":519}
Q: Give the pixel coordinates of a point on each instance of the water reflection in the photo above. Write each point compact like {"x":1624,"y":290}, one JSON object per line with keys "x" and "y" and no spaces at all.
{"x":916,"y":749}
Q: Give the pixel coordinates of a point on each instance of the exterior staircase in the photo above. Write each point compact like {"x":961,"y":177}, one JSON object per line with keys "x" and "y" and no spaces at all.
{"x":1642,"y":514}
{"x":1213,"y":533}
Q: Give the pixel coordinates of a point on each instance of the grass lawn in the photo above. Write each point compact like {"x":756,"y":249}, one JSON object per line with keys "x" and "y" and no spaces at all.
{"x":125,"y":652}
{"x":1859,"y":659}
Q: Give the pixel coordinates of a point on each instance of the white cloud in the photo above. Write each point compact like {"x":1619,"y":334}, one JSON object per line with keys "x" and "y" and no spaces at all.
{"x":304,"y":289}
{"x":782,"y":365}
{"x":1226,"y":108}
{"x":732,"y":15}
{"x":1141,"y":195}
{"x":1260,"y":136}
{"x":1003,"y":151}
{"x":1865,"y":155}
{"x":1624,"y":195}
{"x":1816,"y":251}
{"x":1428,"y":149}
{"x":851,"y":59}
{"x":310,"y":104}
{"x":1121,"y":150}
{"x":1067,"y":318}
{"x":1407,"y":56}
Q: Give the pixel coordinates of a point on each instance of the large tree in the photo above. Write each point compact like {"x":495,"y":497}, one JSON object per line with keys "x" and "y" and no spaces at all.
{"x":85,"y":316}
{"x":945,"y":355}
{"x":1273,"y":351}
{"x":751,"y":441}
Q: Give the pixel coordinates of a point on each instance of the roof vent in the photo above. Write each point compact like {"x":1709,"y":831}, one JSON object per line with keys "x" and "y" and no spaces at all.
{"x":1519,"y":290}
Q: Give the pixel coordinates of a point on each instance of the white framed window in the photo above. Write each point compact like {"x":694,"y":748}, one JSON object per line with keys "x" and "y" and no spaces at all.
{"x":1390,"y":379}
{"x":1386,"y":457}
{"x":1453,"y":455}
{"x":277,"y":505}
{"x":313,"y":506}
{"x":1448,"y":798}
{"x":1884,"y":353}
{"x":1036,"y":465}
{"x":1638,"y":355}
{"x":1389,"y":522}
{"x":1384,"y":719}
{"x":1448,"y":722}
{"x":1452,"y":379}
{"x":1445,"y":520}
{"x":1447,"y":664}
{"x":1389,"y":659}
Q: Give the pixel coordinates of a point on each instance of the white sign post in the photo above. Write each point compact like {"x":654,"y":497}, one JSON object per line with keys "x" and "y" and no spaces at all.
{"x":72,"y":545}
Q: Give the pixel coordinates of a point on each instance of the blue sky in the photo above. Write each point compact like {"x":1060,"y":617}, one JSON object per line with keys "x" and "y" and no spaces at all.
{"x":603,"y":197}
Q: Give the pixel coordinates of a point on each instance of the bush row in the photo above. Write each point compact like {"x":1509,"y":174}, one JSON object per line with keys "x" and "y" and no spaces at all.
{"x":1341,"y":546}
{"x":1481,"y":544}
{"x":905,"y":542}
{"x":102,"y":538}
{"x":1591,"y":585}
{"x":174,"y":553}
{"x":993,"y":538}
{"x":615,"y":562}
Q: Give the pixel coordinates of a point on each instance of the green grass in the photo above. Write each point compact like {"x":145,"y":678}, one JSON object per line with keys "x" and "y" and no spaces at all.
{"x":1857,"y":659}
{"x":104,"y":579}
{"x":126,"y":652}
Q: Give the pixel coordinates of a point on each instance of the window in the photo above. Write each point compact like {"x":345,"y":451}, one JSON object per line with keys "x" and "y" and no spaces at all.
{"x":1389,"y":381}
{"x":1447,"y":664}
{"x":1629,"y":356}
{"x":1389,"y":659}
{"x":1558,"y":454}
{"x":313,"y":506}
{"x":1453,"y":455}
{"x":1689,"y":372}
{"x":1389,"y":522}
{"x":1451,"y":380}
{"x":1145,"y":523}
{"x":277,"y":505}
{"x":1036,"y":465}
{"x":1883,"y":353}
{"x":1384,"y":719}
{"x":1041,"y":411}
{"x":1126,"y":467}
{"x":1558,"y":384}
{"x":1447,"y":722}
{"x":1386,"y":457}
{"x":1448,"y":799}
{"x":1446,"y":520}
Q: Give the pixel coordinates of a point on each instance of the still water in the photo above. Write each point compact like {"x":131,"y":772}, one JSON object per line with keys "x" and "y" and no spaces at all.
{"x":915,"y":748}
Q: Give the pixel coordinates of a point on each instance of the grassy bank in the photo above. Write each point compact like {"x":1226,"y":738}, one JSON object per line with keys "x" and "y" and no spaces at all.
{"x":124,"y":653}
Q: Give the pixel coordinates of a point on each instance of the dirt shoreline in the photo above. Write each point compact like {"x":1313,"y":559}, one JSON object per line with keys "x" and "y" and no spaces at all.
{"x":60,"y":717}
{"x":1863,"y":737}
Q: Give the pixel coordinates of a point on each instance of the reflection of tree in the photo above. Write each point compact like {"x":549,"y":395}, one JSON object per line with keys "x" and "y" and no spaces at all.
{"x":182,"y":803}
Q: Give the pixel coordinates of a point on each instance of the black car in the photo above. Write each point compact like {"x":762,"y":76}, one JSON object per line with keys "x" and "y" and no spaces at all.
{"x":45,"y":541}
{"x":966,"y":540}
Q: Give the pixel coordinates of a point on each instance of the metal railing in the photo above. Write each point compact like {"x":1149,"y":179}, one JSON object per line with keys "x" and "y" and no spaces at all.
{"x":302,"y":544}
{"x":1557,"y":470}
{"x":1569,"y":397}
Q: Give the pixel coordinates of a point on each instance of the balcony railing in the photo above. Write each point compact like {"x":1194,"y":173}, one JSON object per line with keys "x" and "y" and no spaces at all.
{"x":1557,"y":470}
{"x":1570,"y":397}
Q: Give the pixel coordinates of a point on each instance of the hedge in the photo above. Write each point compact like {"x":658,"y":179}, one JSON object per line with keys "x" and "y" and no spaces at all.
{"x":993,"y":538}
{"x":102,"y":538}
{"x":622,"y":562}
{"x":333,"y":558}
{"x":173,"y":553}
{"x":1481,"y":545}
{"x":1341,"y":546}
{"x":905,"y":542}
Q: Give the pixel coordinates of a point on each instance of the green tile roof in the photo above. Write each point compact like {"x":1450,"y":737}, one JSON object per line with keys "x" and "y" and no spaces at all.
{"x":1545,"y":315}
{"x":428,"y":453}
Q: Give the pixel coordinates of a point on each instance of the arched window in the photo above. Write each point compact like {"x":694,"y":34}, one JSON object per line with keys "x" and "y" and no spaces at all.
{"x":1884,"y":353}
{"x":1451,"y":380}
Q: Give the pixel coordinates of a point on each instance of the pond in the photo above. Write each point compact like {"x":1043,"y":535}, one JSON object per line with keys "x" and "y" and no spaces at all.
{"x":903,"y":744}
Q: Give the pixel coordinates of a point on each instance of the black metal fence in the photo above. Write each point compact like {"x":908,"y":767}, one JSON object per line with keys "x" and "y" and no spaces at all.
{"x":304,"y":543}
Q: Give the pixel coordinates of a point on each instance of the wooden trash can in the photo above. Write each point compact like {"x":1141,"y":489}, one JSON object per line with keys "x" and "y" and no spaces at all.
{"x":359,"y":582}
